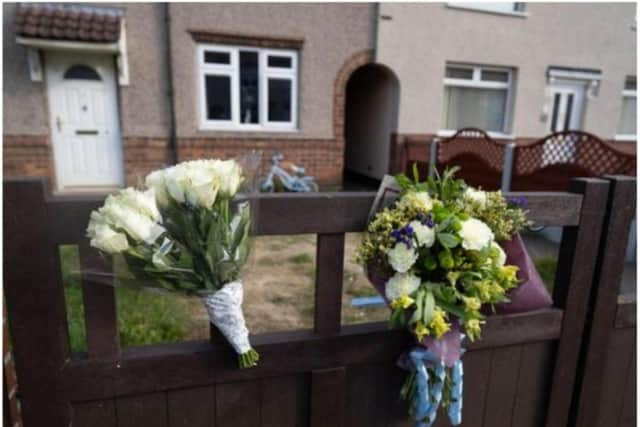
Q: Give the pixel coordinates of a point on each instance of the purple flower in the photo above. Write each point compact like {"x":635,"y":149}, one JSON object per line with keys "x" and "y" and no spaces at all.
{"x":429,"y":221}
{"x":517,"y":202}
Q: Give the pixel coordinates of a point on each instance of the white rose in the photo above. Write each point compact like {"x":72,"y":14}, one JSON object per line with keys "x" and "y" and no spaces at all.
{"x":501,"y":258}
{"x":476,"y":196}
{"x":475,"y":234}
{"x":229,"y":174}
{"x":176,"y":182}
{"x":402,"y":258}
{"x":424,"y":235}
{"x":156,"y":181}
{"x":401,"y":284}
{"x":137,"y":225}
{"x":202,"y":187}
{"x":143,"y":202}
{"x":104,"y":238}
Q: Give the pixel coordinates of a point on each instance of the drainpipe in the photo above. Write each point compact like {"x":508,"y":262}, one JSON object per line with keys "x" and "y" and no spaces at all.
{"x":507,"y":168}
{"x":172,"y":156}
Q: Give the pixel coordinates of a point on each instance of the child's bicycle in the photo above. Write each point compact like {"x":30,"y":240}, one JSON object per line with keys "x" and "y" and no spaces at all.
{"x":295,"y":181}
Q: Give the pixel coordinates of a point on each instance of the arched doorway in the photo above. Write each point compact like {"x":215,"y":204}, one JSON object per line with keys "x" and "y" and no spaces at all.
{"x":371,"y":116}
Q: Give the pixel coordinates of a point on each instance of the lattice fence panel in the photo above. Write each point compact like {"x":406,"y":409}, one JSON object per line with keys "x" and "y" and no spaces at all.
{"x":471,"y":141}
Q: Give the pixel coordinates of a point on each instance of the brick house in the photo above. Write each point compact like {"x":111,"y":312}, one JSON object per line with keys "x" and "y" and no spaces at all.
{"x":98,"y":95}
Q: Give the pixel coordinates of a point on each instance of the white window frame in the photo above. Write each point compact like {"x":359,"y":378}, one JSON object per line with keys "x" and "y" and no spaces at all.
{"x":476,"y":82}
{"x":486,"y":8}
{"x":628,"y":93}
{"x":233,"y":71}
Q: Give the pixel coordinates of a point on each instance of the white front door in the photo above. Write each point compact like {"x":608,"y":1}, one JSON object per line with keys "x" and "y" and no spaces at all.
{"x":85,"y":130}
{"x":567,"y":104}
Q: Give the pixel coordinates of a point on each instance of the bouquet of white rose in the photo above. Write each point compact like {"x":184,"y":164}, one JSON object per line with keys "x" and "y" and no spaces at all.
{"x":182,"y":234}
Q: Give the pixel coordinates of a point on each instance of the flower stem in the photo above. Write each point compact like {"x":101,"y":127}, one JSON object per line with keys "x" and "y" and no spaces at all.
{"x":248,"y":359}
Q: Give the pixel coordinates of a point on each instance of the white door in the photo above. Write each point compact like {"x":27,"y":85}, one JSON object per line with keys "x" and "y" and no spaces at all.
{"x":567,"y":104}
{"x":85,"y":130}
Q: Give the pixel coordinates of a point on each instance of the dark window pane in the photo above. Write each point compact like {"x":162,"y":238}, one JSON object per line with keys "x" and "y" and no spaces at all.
{"x":495,"y":76}
{"x":459,"y":73}
{"x":279,"y":61}
{"x":212,"y":57}
{"x":81,"y":72}
{"x":567,"y":117}
{"x":630,"y":83}
{"x":218,"y":90}
{"x":554,"y":114}
{"x":249,"y":87}
{"x":519,"y":7}
{"x":279,"y":100}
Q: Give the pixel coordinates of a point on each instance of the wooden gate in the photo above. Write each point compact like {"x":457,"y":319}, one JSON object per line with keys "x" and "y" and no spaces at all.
{"x":606,"y":388}
{"x":520,"y":374}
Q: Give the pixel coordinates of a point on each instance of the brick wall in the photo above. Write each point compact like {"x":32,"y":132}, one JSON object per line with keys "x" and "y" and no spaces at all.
{"x":27,"y":155}
{"x":143,"y":155}
{"x":322,"y":158}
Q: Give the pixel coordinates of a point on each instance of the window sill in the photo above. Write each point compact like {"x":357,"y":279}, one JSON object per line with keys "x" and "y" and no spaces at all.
{"x":496,"y":135}
{"x":241,"y":130}
{"x":626,"y":138}
{"x":490,"y":12}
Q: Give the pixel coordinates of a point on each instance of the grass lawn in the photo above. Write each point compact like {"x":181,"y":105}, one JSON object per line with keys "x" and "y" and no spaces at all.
{"x":279,"y":295}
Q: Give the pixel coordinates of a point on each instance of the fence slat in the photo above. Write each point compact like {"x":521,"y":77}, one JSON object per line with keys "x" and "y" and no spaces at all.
{"x":329,"y":272}
{"x":238,"y":404}
{"x":576,"y":265}
{"x":536,"y":365}
{"x":285,"y":401}
{"x":149,"y":410}
{"x":328,"y":397}
{"x":100,"y":413}
{"x":611,"y":259}
{"x":193,"y":407}
{"x":98,"y":297}
{"x":35,"y":302}
{"x":477,"y":370}
{"x":501,"y":390}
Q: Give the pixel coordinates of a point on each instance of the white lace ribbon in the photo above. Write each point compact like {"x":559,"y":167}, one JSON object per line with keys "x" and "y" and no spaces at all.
{"x":225,"y":312}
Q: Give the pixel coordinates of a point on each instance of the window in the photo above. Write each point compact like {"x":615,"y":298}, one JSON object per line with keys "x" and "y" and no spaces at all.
{"x":476,"y":97}
{"x":247,"y":88}
{"x":508,"y":8}
{"x":627,"y":127}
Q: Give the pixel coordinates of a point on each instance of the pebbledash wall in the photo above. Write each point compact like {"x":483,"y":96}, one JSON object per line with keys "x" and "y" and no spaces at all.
{"x":333,"y":40}
{"x":427,"y":37}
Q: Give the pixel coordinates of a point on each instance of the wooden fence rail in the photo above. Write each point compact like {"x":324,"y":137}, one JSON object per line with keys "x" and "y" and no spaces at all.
{"x":520,"y":374}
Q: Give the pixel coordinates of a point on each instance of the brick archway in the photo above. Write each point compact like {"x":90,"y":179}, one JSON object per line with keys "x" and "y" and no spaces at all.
{"x":356,"y":61}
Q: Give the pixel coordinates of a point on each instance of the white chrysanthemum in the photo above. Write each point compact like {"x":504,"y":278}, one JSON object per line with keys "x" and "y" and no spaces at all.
{"x":476,"y":196}
{"x":401,"y":284}
{"x":424,"y":235}
{"x":418,"y":200}
{"x":475,"y":234}
{"x":500,"y":258}
{"x":104,"y":238}
{"x":402,"y":258}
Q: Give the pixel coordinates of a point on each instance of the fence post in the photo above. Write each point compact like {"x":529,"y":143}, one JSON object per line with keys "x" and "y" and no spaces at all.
{"x":620,"y":212}
{"x":507,"y":167}
{"x":433,"y":155}
{"x":576,"y":265}
{"x":35,"y":303}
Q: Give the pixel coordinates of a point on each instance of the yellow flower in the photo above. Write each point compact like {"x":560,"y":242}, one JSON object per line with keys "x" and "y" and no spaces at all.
{"x":452,"y":277}
{"x":403,"y":302}
{"x":484,"y":290}
{"x":472,"y":328}
{"x":438,"y":324}
{"x":509,"y":272}
{"x":421,"y":330}
{"x":471,"y":303}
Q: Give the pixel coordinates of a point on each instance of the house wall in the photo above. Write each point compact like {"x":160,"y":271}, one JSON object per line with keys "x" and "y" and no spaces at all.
{"x":332,"y":34}
{"x":417,"y":40}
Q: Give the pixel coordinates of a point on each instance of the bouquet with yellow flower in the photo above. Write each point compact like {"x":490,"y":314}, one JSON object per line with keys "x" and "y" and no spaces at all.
{"x":433,"y":254}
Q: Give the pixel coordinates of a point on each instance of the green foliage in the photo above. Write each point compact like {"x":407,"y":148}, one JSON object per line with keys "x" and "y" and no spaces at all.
{"x":547,"y":267}
{"x":143,"y":317}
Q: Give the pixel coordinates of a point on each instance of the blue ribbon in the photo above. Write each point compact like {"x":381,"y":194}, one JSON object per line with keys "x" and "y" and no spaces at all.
{"x":430,"y":375}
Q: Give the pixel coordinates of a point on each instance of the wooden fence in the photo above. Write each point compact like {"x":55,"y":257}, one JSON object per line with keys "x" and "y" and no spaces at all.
{"x":522,"y":373}
{"x":546,"y":164}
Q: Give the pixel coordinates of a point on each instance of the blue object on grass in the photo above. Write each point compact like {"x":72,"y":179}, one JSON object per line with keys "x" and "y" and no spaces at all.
{"x":367,"y":301}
